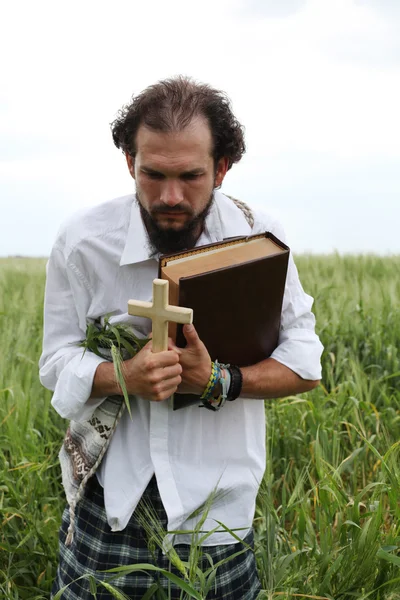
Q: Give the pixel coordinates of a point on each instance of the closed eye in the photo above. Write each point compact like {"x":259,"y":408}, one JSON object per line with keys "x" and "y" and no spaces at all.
{"x":190,"y":176}
{"x":154,"y":175}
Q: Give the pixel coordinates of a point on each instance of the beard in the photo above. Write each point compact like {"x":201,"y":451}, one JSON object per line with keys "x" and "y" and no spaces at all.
{"x":169,"y":239}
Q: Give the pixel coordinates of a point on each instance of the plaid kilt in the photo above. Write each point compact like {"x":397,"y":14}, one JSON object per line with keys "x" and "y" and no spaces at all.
{"x":96,"y":547}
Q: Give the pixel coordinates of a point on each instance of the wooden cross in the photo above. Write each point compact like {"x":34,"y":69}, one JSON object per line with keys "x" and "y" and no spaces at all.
{"x":160,"y":312}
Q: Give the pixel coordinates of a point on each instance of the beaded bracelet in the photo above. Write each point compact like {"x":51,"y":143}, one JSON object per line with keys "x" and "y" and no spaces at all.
{"x":212,"y":382}
{"x":215,"y":404}
{"x":231,"y":386}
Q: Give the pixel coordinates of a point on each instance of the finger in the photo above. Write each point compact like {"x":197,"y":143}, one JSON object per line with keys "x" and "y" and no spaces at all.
{"x":172,"y":384}
{"x":173,"y":346}
{"x":148,"y":348}
{"x":166,"y":390}
{"x":171,"y":372}
{"x":191,"y":335}
{"x":164,"y":359}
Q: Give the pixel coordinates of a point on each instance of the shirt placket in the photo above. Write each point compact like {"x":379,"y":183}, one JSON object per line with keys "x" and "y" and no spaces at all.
{"x":161,"y":459}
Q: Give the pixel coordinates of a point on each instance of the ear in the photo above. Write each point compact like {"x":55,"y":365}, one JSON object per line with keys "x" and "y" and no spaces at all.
{"x":222,"y":168}
{"x":130,"y":161}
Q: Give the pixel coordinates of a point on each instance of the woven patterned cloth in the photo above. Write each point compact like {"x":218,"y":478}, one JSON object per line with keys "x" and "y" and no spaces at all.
{"x":83,"y":449}
{"x":95,"y":547}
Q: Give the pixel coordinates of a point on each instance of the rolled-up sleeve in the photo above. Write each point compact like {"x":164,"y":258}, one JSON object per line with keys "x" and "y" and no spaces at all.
{"x":64,"y":368}
{"x":299,"y":347}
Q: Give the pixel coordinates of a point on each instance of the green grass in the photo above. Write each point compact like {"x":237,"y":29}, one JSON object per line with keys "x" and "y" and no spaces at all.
{"x":327,"y":519}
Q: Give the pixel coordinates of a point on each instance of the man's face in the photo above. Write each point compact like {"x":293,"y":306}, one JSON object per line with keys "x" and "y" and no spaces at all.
{"x":175,"y":179}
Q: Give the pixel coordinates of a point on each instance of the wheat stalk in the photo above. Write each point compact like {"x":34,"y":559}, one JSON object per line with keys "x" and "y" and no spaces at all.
{"x":116,"y":343}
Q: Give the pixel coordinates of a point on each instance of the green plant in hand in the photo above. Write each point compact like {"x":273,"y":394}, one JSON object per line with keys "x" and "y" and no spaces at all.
{"x":116,"y":343}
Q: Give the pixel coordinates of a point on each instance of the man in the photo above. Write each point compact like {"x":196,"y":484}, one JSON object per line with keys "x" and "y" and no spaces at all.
{"x":179,"y":139}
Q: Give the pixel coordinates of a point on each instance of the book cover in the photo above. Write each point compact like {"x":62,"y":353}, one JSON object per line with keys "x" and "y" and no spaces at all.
{"x":235,"y":289}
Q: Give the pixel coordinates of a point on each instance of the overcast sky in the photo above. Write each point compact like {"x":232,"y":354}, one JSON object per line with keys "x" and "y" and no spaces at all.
{"x":315,"y":82}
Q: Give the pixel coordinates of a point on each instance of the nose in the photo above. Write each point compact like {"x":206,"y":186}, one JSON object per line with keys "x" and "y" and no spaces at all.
{"x":171,"y":192}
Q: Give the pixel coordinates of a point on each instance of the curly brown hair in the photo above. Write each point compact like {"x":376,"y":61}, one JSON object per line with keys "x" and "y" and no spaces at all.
{"x":170,"y":105}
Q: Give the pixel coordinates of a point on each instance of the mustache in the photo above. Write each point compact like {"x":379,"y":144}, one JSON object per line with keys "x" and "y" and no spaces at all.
{"x":170,"y":210}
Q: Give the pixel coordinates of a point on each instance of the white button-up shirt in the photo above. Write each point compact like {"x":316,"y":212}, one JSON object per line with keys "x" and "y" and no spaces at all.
{"x":100,"y":260}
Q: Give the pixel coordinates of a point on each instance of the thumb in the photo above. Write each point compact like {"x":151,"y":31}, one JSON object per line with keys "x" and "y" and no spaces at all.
{"x":191,"y":335}
{"x":148,"y":347}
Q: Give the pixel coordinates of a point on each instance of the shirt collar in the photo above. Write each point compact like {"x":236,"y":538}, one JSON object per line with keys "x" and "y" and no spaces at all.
{"x":138,"y":248}
{"x":212,"y":231}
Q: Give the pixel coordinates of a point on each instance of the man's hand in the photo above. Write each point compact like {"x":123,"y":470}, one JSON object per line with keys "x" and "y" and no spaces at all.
{"x":154,"y":376}
{"x":195,"y":362}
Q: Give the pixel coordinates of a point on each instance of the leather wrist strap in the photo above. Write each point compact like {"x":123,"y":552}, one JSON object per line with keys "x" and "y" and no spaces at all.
{"x":235,"y":388}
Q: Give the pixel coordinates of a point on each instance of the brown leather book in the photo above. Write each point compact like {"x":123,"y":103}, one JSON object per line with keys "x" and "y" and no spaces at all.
{"x":235,"y":288}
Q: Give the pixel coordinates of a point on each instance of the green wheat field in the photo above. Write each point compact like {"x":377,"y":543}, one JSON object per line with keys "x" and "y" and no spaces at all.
{"x":327,"y":520}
